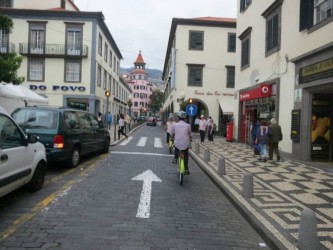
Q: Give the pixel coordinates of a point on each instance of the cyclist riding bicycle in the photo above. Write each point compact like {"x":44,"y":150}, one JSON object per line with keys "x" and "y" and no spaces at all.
{"x":182,"y":134}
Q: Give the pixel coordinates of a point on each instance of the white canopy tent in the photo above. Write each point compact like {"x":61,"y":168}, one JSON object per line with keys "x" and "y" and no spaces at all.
{"x":15,"y":96}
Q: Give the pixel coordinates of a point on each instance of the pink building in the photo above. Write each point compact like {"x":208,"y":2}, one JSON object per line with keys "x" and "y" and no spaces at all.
{"x":141,"y":88}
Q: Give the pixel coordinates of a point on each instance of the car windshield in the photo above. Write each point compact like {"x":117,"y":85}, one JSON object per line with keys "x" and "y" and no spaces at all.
{"x":36,"y":118}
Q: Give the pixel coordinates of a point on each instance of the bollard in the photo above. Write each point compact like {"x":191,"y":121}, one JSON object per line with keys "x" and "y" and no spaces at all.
{"x":307,"y":237}
{"x":196,"y":147}
{"x":221,"y":166}
{"x":248,"y":185}
{"x":207,"y":155}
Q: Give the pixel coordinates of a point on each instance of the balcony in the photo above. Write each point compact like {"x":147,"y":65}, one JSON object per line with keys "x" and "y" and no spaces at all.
{"x":7,"y":48}
{"x":53,"y":50}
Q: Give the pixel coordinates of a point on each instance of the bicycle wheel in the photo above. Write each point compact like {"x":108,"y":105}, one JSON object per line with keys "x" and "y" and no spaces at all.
{"x":181,"y":163}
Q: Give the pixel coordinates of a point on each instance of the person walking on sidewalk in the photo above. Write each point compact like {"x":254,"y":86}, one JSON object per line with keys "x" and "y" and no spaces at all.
{"x":275,"y":135}
{"x":109,"y":120}
{"x":262,"y":140}
{"x":121,"y":124}
{"x":210,"y":129}
{"x":168,"y":127}
{"x":202,"y":128}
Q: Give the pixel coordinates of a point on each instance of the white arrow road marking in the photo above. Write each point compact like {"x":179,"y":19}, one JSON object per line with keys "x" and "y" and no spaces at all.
{"x":158,"y":142}
{"x":144,"y":205}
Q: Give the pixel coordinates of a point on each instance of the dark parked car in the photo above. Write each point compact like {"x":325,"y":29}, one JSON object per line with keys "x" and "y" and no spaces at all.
{"x":151,"y":121}
{"x":67,"y":134}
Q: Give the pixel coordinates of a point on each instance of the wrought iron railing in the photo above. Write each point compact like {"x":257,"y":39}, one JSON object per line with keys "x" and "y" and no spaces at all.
{"x":7,"y":48}
{"x":54,"y":50}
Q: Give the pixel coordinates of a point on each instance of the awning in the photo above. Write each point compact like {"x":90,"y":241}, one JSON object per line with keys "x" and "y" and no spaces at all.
{"x":227,"y":105}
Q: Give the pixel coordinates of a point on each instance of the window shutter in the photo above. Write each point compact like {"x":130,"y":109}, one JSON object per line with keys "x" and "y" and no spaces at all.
{"x":306,"y":14}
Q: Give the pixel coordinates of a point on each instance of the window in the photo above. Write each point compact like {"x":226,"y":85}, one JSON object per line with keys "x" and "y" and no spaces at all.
{"x":136,"y":86}
{"x":6,"y":3}
{"x":105,"y":78}
{"x":37,"y":38}
{"x":230,"y":76}
{"x":110,"y":59}
{"x":36,"y":69}
{"x":114,"y":64}
{"x":245,"y":60}
{"x":196,"y":40}
{"x":322,"y":10}
{"x":106,"y":49}
{"x":313,"y":12}
{"x":273,"y":34}
{"x":231,"y":42}
{"x":74,"y":39}
{"x":110,"y":82}
{"x":244,"y":4}
{"x":3,"y":41}
{"x":195,"y":73}
{"x":245,"y":37}
{"x":100,"y":42}
{"x":72,"y":71}
{"x":10,"y":136}
{"x":136,"y":95}
{"x":99,"y":75}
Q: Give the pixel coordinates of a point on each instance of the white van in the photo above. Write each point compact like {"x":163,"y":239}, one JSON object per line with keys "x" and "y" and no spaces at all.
{"x":22,"y":157}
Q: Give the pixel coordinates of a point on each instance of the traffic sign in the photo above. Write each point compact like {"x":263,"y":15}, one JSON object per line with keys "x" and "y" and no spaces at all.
{"x":191,"y":110}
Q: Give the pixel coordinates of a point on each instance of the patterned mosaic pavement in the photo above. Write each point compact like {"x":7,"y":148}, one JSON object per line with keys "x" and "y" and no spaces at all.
{"x":282,"y":190}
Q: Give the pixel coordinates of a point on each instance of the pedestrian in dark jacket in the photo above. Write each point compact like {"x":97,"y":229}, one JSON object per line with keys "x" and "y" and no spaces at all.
{"x":275,"y":135}
{"x":262,"y":140}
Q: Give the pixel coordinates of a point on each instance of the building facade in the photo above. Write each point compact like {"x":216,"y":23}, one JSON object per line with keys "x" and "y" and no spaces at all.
{"x":141,"y":88}
{"x":284,"y":70}
{"x":69,"y":56}
{"x":199,"y":68}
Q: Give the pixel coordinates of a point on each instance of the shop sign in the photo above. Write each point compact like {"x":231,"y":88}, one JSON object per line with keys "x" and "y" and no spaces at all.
{"x":264,"y":90}
{"x":58,"y":87}
{"x":212,"y":93}
{"x":316,"y":71}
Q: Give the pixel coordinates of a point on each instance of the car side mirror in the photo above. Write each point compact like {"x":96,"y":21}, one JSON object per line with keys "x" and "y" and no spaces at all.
{"x":32,"y":138}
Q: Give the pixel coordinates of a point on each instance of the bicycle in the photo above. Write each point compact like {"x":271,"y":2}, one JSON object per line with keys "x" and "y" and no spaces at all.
{"x":181,"y":165}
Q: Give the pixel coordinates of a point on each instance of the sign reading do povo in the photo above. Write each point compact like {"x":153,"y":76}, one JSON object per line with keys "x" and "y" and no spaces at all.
{"x":57,"y":87}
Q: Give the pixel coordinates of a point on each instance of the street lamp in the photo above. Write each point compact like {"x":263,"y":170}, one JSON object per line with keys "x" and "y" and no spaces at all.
{"x":107,"y":94}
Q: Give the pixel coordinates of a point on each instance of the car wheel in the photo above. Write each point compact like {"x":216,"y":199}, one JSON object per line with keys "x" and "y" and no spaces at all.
{"x":37,"y":180}
{"x":75,"y":157}
{"x":106,"y":146}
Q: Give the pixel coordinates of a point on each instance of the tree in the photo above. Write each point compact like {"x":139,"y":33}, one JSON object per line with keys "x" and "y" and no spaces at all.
{"x":9,"y":62}
{"x":156,"y":100}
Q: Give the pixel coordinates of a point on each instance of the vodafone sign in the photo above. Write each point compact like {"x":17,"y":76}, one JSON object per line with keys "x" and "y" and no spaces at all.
{"x":263,"y":90}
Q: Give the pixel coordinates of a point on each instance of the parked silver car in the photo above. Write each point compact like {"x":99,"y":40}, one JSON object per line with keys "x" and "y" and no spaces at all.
{"x":22,"y":157}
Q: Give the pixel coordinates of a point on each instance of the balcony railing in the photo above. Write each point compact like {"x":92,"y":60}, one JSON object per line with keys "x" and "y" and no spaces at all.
{"x":53,"y":50}
{"x":7,"y":48}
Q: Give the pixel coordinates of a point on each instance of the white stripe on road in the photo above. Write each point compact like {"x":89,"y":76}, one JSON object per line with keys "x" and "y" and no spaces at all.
{"x":126,"y":141}
{"x":158,"y":142}
{"x":142,"y":142}
{"x":139,"y":153}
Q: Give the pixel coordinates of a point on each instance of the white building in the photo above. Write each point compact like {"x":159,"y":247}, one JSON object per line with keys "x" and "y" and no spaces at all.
{"x":200,"y":67}
{"x":284,"y":70}
{"x":68,"y":55}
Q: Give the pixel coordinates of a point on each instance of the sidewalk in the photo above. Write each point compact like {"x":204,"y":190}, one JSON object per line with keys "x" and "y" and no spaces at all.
{"x":282,"y":190}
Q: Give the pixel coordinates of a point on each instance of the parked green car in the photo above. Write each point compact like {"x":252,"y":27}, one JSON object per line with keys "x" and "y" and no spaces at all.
{"x":67,"y":134}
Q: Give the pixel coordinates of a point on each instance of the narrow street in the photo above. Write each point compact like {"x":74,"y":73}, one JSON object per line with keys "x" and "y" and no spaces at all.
{"x":128,"y":199}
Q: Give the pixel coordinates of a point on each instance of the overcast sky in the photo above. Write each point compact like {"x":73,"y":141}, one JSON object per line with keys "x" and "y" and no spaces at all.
{"x":145,"y":24}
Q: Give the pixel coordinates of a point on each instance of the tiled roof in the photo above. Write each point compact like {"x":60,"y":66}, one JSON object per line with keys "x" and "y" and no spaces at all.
{"x":61,"y":9}
{"x":139,"y":59}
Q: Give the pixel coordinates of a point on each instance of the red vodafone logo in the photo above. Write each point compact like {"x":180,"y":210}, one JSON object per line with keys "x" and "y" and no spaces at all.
{"x":264,"y":89}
